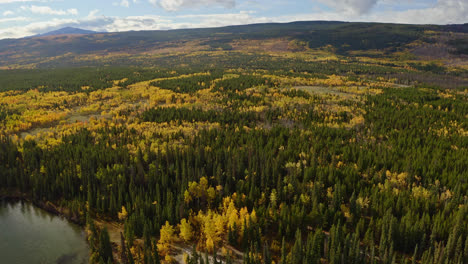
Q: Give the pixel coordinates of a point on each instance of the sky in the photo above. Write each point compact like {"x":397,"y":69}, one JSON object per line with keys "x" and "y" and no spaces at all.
{"x":20,"y":18}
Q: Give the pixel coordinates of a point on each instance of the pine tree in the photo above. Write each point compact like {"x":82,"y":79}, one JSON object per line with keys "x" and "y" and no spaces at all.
{"x":266,"y":254}
{"x":283,"y":251}
{"x":105,"y":248}
{"x":297,"y":254}
{"x":415,"y":255}
{"x":465,"y":251}
{"x":123,"y":249}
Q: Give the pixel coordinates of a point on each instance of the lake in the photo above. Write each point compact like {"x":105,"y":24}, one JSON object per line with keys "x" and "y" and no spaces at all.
{"x":31,"y":235}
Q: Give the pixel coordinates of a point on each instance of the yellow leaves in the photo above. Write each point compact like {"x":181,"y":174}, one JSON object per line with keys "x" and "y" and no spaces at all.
{"x":209,"y":244}
{"x":187,"y":197}
{"x":122,"y":214}
{"x":305,"y":199}
{"x":243,"y":217}
{"x":186,"y":232}
{"x":329,"y":192}
{"x":345,"y":211}
{"x":340,"y":164}
{"x":169,"y":259}
{"x":212,"y":227}
{"x":203,"y":183}
{"x":396,"y":180}
{"x":357,"y":120}
{"x":215,"y":224}
{"x":420,"y":192}
{"x":273,"y":198}
{"x":253,"y":216}
{"x":211,"y":194}
{"x":446,"y":195}
{"x":333,"y":80}
{"x":200,"y":190}
{"x":118,"y":82}
{"x":167,"y":237}
{"x":363,"y":202}
{"x":230,"y":211}
{"x":220,"y":224}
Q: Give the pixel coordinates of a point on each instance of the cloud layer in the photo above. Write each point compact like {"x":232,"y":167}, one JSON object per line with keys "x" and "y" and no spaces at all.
{"x":174,"y":5}
{"x":353,"y":7}
{"x":114,"y":24}
{"x":46,"y":10}
{"x":178,"y":14}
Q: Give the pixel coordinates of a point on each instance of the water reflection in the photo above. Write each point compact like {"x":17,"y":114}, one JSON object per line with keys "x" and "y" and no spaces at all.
{"x":31,"y":235}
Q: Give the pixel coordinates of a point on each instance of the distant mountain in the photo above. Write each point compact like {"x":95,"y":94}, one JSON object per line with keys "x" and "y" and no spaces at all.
{"x":67,"y":31}
{"x":64,"y":47}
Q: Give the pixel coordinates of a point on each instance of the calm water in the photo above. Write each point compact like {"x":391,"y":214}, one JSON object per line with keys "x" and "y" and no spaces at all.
{"x":29,"y":235}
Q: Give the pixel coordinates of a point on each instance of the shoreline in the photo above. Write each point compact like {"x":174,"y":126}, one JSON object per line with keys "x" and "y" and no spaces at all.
{"x":46,"y":206}
{"x":15,"y":196}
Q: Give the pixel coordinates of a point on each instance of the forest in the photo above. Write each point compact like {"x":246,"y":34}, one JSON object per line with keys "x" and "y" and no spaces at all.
{"x":225,"y":156}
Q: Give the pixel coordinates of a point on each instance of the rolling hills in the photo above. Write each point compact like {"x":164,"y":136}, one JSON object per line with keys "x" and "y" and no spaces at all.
{"x":347,"y":39}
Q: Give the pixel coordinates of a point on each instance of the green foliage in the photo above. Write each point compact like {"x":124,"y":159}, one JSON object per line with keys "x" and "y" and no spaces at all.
{"x":105,"y":248}
{"x":73,"y":80}
{"x":167,"y":114}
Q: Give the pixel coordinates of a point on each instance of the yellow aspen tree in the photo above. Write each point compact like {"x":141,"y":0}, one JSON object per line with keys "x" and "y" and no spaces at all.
{"x":209,"y":230}
{"x":233,"y":215}
{"x":122,"y":214}
{"x":243,"y":215}
{"x":186,"y":232}
{"x":219,"y":225}
{"x":167,"y":237}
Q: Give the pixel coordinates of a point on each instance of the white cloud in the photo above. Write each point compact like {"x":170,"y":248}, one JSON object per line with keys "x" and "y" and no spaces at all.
{"x":8,"y":13}
{"x":440,"y":12}
{"x":350,"y":6}
{"x":93,"y":13}
{"x":32,"y":28}
{"x":148,"y":22}
{"x":174,"y":5}
{"x":46,"y":10}
{"x":21,"y":1}
{"x":124,"y":3}
{"x":13,"y":19}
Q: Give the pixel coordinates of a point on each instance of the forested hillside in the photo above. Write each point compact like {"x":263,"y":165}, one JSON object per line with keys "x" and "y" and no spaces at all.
{"x":316,"y":153}
{"x":149,"y":47}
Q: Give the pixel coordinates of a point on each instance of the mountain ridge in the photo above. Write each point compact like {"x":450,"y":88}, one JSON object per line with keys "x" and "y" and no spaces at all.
{"x":65,"y":31}
{"x":336,"y":37}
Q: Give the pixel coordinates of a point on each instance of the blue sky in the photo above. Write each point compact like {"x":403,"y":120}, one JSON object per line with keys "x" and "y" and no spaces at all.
{"x":19,"y":18}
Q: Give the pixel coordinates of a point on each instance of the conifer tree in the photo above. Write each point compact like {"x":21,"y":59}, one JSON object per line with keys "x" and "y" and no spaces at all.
{"x":105,"y":248}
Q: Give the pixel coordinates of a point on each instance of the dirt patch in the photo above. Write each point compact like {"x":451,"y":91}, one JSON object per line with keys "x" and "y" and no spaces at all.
{"x":185,"y":249}
{"x":113,"y":228}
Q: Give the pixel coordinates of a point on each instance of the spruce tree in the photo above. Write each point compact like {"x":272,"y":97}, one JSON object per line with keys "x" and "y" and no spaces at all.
{"x":105,"y":248}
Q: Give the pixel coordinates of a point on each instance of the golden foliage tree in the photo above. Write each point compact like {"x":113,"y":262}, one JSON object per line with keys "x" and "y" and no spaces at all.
{"x":186,"y":232}
{"x":167,"y":237}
